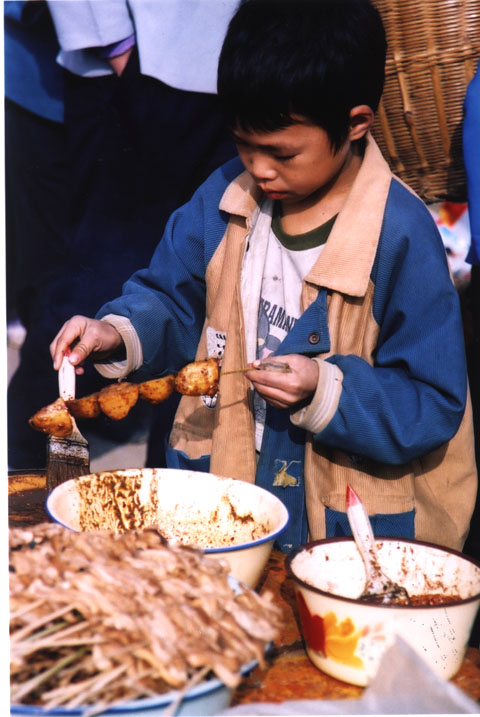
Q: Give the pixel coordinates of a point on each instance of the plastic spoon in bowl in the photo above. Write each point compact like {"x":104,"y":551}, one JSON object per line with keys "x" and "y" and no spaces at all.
{"x":378,"y":587}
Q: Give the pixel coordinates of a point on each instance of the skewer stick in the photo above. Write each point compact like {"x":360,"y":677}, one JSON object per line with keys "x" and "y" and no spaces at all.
{"x":43,"y":620}
{"x":238,"y":370}
{"x":267,"y":365}
{"x":32,"y":684}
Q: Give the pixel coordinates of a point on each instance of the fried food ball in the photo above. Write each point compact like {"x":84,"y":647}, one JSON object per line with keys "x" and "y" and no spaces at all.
{"x":157,"y":390}
{"x":86,"y":407}
{"x":199,"y":378}
{"x":116,"y":400}
{"x":53,"y":419}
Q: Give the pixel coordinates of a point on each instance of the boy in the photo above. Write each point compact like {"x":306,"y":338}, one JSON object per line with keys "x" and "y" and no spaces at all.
{"x":315,"y":255}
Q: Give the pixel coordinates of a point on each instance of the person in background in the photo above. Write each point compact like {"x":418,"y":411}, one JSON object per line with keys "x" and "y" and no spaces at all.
{"x":306,"y":252}
{"x":34,"y":154}
{"x":144,"y":128}
{"x":471,"y":155}
{"x":35,"y":191}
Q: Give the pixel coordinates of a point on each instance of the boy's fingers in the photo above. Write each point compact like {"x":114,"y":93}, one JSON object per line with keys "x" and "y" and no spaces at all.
{"x":62,"y":343}
{"x":58,"y":348}
{"x":266,"y":378}
{"x":79,"y":353}
{"x":59,"y":353}
{"x":80,"y":337}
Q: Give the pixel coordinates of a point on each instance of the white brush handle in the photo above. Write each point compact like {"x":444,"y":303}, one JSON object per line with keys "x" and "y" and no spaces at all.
{"x":66,"y":380}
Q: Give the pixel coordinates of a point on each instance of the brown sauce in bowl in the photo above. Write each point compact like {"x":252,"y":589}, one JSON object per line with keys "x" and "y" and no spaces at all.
{"x":433,"y":599}
{"x":421,"y":600}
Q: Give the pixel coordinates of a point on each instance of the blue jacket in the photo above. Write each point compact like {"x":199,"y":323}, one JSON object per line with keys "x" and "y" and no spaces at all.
{"x":471,"y":155}
{"x":391,"y":414}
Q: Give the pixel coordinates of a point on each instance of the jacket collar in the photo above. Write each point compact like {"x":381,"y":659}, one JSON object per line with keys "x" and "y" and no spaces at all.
{"x":242,"y":197}
{"x":346,"y":261}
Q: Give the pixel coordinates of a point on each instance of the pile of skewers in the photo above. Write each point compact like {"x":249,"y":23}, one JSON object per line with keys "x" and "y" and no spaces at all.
{"x":97,"y":618}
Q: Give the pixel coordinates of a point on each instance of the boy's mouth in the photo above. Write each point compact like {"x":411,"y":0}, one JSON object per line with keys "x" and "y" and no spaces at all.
{"x":275,"y":195}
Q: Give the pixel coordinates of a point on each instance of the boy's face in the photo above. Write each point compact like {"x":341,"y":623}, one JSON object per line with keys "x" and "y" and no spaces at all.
{"x":292,"y":164}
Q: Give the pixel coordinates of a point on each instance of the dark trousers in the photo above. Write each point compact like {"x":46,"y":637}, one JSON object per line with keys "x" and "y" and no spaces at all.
{"x":36,"y":216}
{"x":136,"y":150}
{"x":472,"y":340}
{"x":35,"y":206}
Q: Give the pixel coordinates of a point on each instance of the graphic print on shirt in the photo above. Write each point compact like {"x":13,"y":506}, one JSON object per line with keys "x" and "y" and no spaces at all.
{"x":279,"y":306}
{"x":216,"y":341}
{"x":273,"y":325}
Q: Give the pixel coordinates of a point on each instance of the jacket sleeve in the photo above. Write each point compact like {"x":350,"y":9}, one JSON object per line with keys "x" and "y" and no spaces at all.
{"x":166,"y":301}
{"x":411,"y":399}
{"x":471,"y":155}
{"x":90,"y":23}
{"x":13,"y":10}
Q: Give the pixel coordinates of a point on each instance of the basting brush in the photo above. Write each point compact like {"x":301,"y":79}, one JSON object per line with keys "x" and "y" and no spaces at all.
{"x":66,"y":457}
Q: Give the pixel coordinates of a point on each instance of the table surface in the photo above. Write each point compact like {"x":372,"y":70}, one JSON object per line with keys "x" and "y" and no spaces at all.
{"x":288,"y":674}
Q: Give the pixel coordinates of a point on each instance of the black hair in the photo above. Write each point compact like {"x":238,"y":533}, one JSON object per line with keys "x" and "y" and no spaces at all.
{"x":315,"y":58}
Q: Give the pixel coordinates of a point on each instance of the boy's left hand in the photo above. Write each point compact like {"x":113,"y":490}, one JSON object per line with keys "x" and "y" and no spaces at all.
{"x":285,"y":389}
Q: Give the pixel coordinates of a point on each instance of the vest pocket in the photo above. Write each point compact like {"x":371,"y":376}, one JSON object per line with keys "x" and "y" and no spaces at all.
{"x":386,"y":525}
{"x":384,"y":489}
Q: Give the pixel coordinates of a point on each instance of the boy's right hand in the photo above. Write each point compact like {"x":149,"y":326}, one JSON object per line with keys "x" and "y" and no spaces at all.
{"x":84,"y":337}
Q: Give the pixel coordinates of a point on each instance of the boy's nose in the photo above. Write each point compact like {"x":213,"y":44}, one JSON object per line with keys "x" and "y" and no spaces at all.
{"x":261,"y":168}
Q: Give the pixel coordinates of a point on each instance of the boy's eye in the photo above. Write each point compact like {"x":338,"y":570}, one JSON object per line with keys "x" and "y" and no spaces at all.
{"x":284,"y":157}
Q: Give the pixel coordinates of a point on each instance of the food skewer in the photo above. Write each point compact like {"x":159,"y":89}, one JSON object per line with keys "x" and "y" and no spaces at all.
{"x":198,"y":378}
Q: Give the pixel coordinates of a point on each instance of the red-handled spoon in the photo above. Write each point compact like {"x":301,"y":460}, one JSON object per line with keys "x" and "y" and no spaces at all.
{"x":378,"y":587}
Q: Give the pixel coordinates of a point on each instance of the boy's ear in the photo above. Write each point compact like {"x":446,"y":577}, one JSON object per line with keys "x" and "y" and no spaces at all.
{"x":361,"y":119}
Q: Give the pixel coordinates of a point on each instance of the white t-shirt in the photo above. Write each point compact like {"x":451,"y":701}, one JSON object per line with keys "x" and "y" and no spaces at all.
{"x":274,"y":268}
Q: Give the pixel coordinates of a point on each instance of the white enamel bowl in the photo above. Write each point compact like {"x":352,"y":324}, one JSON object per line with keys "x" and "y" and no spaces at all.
{"x":210,"y":697}
{"x":239,"y":521}
{"x":207,"y":698}
{"x":346,"y":638}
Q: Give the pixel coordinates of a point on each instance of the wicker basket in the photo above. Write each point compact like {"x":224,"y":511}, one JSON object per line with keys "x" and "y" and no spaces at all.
{"x":433,"y":49}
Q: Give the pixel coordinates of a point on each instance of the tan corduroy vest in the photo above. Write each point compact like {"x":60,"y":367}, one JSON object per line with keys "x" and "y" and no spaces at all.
{"x":441,"y":486}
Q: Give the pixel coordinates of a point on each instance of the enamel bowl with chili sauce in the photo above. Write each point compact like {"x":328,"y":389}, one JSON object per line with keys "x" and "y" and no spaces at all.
{"x":226,"y":518}
{"x":346,"y":637}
